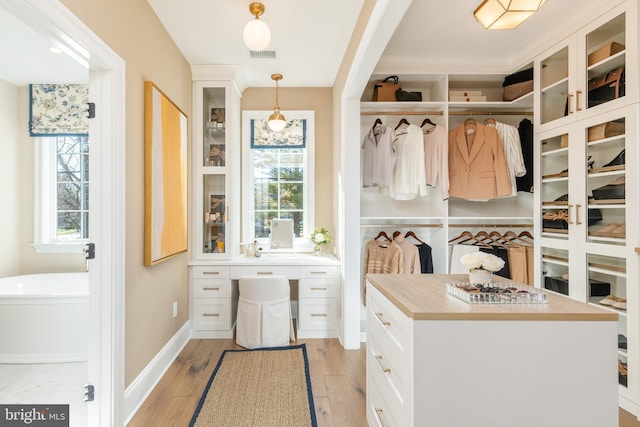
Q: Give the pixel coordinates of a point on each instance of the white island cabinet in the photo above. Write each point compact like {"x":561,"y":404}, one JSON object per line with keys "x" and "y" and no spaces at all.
{"x":435,"y":360}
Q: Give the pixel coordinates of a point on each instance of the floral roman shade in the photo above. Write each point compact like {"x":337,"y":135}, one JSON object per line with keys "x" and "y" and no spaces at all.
{"x":293,"y":135}
{"x":58,"y":109}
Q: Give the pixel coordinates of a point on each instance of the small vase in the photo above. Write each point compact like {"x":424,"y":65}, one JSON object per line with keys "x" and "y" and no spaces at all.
{"x":480,"y":276}
{"x":318,"y":250}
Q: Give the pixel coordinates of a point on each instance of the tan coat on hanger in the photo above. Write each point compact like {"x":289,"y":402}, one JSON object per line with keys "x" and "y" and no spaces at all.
{"x":479,"y":172}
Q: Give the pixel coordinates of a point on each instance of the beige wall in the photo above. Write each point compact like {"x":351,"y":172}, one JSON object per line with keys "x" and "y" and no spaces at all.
{"x":319,"y":100}
{"x":9,"y":177}
{"x":132,"y":30}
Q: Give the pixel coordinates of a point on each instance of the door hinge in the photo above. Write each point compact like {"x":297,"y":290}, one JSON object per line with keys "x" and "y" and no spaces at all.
{"x":92,"y":110}
{"x":89,"y":251}
{"x":89,"y":393}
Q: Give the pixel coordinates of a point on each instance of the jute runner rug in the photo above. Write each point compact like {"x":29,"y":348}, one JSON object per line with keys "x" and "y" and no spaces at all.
{"x":262,"y":387}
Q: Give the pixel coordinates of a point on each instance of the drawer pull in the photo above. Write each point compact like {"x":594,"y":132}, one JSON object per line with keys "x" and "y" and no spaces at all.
{"x":318,"y":272}
{"x":211,"y":289}
{"x":384,"y":368}
{"x":211,"y":314}
{"x":318,"y":314}
{"x":210,"y":272}
{"x":318,"y":289}
{"x":264,"y":272}
{"x":384,"y":322}
{"x":380,"y":415}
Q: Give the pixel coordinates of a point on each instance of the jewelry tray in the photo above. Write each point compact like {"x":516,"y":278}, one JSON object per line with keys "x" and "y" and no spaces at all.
{"x":496,"y":293}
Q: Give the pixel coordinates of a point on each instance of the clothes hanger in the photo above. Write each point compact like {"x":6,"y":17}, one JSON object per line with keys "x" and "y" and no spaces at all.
{"x":412,"y":234}
{"x":525,"y":234}
{"x":427,"y":121}
{"x":470,"y":126}
{"x":490,"y":121}
{"x":396,"y":234}
{"x":483,"y":236}
{"x":382,"y":234}
{"x":401,"y":122}
{"x":466,"y":234}
{"x":377,"y":122}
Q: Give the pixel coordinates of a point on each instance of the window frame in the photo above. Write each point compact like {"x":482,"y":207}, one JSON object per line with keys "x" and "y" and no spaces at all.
{"x":300,"y":244}
{"x":45,"y":201}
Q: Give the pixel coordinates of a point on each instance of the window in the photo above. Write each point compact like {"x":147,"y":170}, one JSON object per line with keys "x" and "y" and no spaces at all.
{"x":62,"y":205}
{"x":277,"y":182}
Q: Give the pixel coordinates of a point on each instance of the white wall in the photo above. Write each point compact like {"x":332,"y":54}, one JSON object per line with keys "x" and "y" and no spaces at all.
{"x":10,"y":187}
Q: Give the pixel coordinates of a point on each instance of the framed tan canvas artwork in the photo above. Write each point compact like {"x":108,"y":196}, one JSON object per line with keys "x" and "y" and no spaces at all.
{"x":165,"y":177}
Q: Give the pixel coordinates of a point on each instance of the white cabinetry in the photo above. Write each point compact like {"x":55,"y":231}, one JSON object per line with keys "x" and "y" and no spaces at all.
{"x":563,"y":73}
{"x":213,"y":302}
{"x":434,"y":362}
{"x":216,"y":170}
{"x":587,"y":252}
{"x":318,"y":296}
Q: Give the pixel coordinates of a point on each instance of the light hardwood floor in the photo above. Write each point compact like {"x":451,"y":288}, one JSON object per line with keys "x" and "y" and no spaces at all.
{"x":337,"y":379}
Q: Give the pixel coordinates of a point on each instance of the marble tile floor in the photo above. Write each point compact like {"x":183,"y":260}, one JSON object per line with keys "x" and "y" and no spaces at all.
{"x":44,"y":383}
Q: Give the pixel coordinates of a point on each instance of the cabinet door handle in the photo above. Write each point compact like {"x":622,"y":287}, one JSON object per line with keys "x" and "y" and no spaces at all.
{"x":318,"y":314}
{"x":318,"y":289}
{"x":578,"y":92}
{"x":211,"y":314}
{"x":569,"y":95}
{"x":380,"y":415}
{"x":578,"y":222}
{"x":569,"y":221}
{"x":264,"y":272}
{"x":318,"y":272}
{"x":210,"y":272}
{"x":384,"y":368}
{"x":381,"y":319}
{"x":210,"y":289}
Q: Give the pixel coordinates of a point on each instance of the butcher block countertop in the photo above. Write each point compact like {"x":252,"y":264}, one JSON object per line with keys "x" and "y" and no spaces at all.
{"x":424,"y":297}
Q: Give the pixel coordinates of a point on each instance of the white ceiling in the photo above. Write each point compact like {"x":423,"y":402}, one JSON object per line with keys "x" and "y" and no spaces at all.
{"x":310,"y":39}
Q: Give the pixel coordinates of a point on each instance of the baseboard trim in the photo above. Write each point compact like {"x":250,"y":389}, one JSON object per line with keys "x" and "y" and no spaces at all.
{"x":629,"y":406}
{"x":143,"y":385}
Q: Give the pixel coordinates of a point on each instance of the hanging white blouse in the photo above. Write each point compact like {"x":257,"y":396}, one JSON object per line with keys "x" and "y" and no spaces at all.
{"x":436,"y":159}
{"x":408,"y":179}
{"x":510,"y":138}
{"x":378,"y":156}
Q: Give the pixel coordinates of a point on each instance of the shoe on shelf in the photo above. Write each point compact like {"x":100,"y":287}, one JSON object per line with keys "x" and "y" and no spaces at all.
{"x":610,"y":300}
{"x":618,"y":181}
{"x":607,"y":229}
{"x":618,"y":160}
{"x":620,"y":305}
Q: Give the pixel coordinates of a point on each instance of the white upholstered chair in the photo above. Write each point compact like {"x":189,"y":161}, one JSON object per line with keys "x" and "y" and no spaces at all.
{"x":264,"y":312}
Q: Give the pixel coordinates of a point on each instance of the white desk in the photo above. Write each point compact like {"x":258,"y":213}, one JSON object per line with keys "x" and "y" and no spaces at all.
{"x":214,"y":292}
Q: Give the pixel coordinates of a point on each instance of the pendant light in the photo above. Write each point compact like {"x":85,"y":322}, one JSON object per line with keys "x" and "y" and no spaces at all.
{"x":505,"y":14}
{"x":256,"y":34}
{"x":276,"y":120}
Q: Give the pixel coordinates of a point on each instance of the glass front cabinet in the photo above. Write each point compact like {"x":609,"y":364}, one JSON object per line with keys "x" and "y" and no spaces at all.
{"x":586,"y":73}
{"x":216,"y":160}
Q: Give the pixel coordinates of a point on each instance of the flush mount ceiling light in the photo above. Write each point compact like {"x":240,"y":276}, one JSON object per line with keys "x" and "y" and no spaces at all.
{"x":256,"y":33}
{"x":505,"y":14}
{"x":276,"y":120}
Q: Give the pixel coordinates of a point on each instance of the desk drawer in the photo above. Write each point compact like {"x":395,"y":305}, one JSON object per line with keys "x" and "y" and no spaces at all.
{"x":211,"y":288}
{"x":290,"y":272}
{"x":210,"y":272}
{"x":391,"y":368}
{"x":318,"y":314}
{"x":318,"y":288}
{"x":319,"y":271}
{"x":212,"y":314}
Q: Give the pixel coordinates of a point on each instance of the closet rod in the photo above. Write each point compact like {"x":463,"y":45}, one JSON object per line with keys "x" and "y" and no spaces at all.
{"x":491,"y":113}
{"x":402,"y":225}
{"x":490,"y":225}
{"x":402,"y":113}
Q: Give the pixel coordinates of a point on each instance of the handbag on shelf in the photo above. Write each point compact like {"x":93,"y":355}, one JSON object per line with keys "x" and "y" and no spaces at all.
{"x":403,"y":95}
{"x":556,"y":220}
{"x":385,"y":91}
{"x":606,"y":88}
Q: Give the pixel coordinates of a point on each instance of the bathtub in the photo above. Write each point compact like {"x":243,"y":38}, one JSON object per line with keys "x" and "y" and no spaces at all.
{"x":43,"y":318}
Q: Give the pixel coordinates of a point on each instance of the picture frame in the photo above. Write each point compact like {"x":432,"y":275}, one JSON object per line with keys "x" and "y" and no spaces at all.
{"x":165,"y":177}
